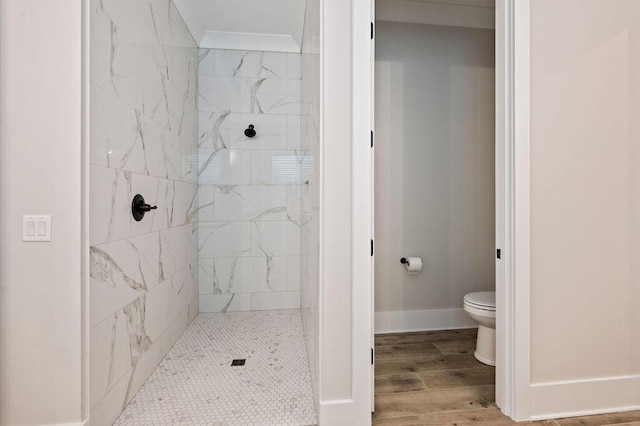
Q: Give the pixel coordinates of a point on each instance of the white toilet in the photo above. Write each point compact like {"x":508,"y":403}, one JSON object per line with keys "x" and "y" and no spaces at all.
{"x":481,"y":306}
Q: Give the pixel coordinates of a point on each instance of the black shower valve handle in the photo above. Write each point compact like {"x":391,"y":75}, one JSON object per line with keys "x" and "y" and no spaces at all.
{"x":145,"y":207}
{"x":139,"y":207}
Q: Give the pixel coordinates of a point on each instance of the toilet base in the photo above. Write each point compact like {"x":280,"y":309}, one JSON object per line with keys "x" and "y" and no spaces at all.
{"x":486,"y":346}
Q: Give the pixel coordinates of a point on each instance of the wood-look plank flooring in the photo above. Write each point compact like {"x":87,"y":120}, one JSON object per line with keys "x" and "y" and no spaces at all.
{"x":432,"y":378}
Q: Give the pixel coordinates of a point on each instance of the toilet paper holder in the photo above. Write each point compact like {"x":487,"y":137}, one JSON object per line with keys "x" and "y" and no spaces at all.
{"x":413,"y":264}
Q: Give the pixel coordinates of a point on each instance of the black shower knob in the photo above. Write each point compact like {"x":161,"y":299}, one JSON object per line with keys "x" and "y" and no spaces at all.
{"x":139,"y":207}
{"x":250,"y":132}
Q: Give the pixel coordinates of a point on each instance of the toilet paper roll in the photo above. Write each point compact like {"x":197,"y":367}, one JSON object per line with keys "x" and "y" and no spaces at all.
{"x":413,"y":265}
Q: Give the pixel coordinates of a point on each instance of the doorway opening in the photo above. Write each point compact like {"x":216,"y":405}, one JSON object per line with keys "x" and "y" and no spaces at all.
{"x":435,"y":205}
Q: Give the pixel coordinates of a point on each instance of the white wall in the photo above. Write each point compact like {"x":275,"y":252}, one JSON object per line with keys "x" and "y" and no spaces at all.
{"x":40,"y":173}
{"x":585,"y":98}
{"x":144,"y":275}
{"x":434,"y":172}
{"x":249,"y":188}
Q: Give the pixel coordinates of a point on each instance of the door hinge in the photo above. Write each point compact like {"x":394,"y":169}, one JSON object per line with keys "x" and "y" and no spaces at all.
{"x":372,"y":139}
{"x":371,"y":356}
{"x":499,"y":253}
{"x":371,"y":30}
{"x":371,"y":247}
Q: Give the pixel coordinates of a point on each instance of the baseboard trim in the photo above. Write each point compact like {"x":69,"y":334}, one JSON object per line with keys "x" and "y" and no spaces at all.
{"x":337,"y":412}
{"x":425,"y":320}
{"x":574,"y":398}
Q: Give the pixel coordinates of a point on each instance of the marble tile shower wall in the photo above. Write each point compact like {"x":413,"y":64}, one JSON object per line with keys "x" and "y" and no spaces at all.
{"x":249,"y":188}
{"x":144,"y":280}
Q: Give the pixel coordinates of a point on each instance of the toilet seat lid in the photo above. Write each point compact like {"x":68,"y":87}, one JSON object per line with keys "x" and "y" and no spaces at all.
{"x":483,"y":299}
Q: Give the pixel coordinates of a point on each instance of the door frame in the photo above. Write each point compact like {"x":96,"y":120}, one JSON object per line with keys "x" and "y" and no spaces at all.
{"x":362,"y":205}
{"x":513,"y":330}
{"x":512,"y":202}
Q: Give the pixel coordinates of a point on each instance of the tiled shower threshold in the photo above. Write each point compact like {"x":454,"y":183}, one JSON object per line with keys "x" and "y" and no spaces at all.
{"x":196,"y":383}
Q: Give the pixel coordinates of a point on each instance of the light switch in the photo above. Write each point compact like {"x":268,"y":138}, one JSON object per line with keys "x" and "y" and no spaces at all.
{"x":41,"y":227}
{"x":31,"y":230}
{"x":36,"y":228}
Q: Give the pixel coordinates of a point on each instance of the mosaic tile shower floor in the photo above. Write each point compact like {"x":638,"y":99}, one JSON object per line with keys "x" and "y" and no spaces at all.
{"x":195,"y":384}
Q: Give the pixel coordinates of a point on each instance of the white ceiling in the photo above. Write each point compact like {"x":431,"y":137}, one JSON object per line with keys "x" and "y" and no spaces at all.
{"x":245,"y":24}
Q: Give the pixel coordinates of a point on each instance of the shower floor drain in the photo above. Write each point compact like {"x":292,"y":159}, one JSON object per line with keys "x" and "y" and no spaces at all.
{"x":238,"y":362}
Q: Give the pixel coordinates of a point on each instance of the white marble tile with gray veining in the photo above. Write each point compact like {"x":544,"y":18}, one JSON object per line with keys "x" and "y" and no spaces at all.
{"x":115,"y":141}
{"x":270,"y":301}
{"x":155,"y":24}
{"x":191,"y":165}
{"x":122,"y":271}
{"x":224,"y":167}
{"x":139,"y":340}
{"x":250,"y":180}
{"x":112,"y":192}
{"x":178,"y":153}
{"x":243,"y":275}
{"x":144,"y":140}
{"x":310,"y":238}
{"x":181,"y":68}
{"x":222,"y":94}
{"x":275,"y":238}
{"x":293,"y":273}
{"x":280,"y":167}
{"x":178,"y":104}
{"x":206,"y":203}
{"x":110,"y":355}
{"x":137,"y":344}
{"x":156,"y":80}
{"x":226,"y":130}
{"x":233,"y":302}
{"x":184,"y":204}
{"x":269,"y":96}
{"x":124,"y":69}
{"x":224,"y":239}
{"x":136,"y":20}
{"x":169,"y":299}
{"x":293,"y":133}
{"x":206,"y":274}
{"x":294,"y":66}
{"x":206,"y":62}
{"x":110,"y":407}
{"x":177,"y":249}
{"x":123,"y":138}
{"x":242,"y":63}
{"x":104,"y":39}
{"x":248,"y":203}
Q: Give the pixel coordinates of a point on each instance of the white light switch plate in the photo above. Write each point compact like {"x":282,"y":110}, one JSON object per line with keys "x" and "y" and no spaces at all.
{"x":36,"y":228}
